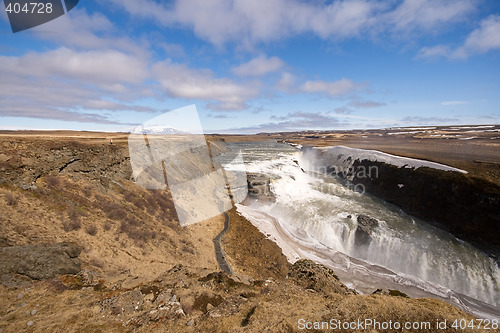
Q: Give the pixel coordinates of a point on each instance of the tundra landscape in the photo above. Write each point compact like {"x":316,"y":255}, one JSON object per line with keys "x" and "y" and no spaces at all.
{"x":250,"y":166}
{"x":84,"y":249}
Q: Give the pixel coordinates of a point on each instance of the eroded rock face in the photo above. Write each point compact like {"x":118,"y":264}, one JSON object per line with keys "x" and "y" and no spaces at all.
{"x":28,"y":159}
{"x":465,"y":206}
{"x":389,"y":292}
{"x":317,"y":277}
{"x":259,"y":187}
{"x":24,"y":263}
{"x":365,"y":228}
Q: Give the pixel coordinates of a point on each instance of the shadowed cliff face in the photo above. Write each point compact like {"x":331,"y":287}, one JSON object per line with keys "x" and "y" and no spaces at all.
{"x":80,"y":190}
{"x":37,"y":262}
{"x":26,"y":160}
{"x":467,"y":207}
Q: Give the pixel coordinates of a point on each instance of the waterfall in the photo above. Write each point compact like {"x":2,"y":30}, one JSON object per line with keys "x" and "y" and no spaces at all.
{"x":319,"y":214}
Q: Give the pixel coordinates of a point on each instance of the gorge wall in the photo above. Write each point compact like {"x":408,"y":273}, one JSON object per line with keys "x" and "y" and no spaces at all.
{"x":465,"y":206}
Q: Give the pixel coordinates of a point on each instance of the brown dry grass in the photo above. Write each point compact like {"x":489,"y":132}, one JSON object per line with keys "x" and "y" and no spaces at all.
{"x":138,"y":238}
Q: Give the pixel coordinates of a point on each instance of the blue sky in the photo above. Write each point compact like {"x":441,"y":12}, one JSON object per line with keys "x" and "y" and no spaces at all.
{"x":255,"y":66}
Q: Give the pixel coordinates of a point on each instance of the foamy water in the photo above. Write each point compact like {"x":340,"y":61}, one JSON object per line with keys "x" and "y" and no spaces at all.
{"x":315,"y":217}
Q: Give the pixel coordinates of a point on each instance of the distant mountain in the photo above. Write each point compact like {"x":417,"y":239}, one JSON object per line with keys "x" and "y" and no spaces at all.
{"x":157,"y":130}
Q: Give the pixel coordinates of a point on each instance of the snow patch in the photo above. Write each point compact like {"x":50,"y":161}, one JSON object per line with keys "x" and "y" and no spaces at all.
{"x":471,"y":127}
{"x":409,"y":132}
{"x":347,"y":155}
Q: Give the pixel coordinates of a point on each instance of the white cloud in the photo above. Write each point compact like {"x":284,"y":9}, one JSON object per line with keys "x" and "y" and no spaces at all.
{"x":250,"y":22}
{"x":287,"y":82}
{"x":365,"y":104}
{"x":173,"y":50}
{"x":46,"y":98}
{"x":434,"y":52}
{"x":180,"y":81}
{"x":78,"y":29}
{"x":100,"y":104}
{"x":94,"y":71}
{"x":66,"y":84}
{"x":294,"y":122}
{"x":105,"y":68}
{"x":333,"y":89}
{"x":482,"y":39}
{"x":418,"y":15}
{"x":418,"y":120}
{"x":259,"y":66}
{"x":343,"y":19}
{"x":144,"y":8}
{"x":338,"y":89}
{"x":343,"y":110}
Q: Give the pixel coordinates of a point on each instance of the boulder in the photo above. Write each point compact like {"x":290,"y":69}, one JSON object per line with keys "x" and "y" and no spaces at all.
{"x":365,"y":228}
{"x":37,"y":262}
{"x":390,"y":292}
{"x":310,"y":275}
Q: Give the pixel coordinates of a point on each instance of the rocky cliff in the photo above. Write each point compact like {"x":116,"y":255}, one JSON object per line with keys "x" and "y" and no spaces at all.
{"x":465,"y":206}
{"x":24,"y":161}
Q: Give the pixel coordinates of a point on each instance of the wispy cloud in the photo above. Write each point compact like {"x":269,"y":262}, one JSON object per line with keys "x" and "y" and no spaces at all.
{"x":81,"y":30}
{"x":219,"y":116}
{"x":251,"y":22}
{"x":259,"y":66}
{"x":66,"y":84}
{"x":482,"y":40}
{"x":343,"y":110}
{"x":434,"y":51}
{"x":360,"y":104}
{"x":53,"y":113}
{"x":104,"y":67}
{"x":426,"y":15}
{"x":419,"y":120}
{"x":357,"y":103}
{"x":224,"y":94}
{"x":294,"y":122}
{"x":287,"y":82}
{"x":332,"y":89}
{"x":173,"y":50}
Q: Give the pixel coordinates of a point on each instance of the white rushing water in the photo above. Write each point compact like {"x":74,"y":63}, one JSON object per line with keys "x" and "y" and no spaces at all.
{"x":315,"y":217}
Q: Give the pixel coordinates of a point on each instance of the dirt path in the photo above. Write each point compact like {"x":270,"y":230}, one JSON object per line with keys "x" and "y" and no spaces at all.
{"x":220,"y":255}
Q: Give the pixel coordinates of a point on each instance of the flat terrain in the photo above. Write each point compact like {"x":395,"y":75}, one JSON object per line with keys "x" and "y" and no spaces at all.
{"x":475,"y":149}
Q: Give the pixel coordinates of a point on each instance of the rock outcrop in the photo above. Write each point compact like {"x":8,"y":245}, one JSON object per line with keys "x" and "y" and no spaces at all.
{"x":27,"y":160}
{"x":465,"y":206}
{"x":37,"y":262}
{"x":364,"y":230}
{"x":317,"y":277}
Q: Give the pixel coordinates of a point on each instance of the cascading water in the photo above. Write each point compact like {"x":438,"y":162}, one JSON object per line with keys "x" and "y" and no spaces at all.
{"x":318,"y":214}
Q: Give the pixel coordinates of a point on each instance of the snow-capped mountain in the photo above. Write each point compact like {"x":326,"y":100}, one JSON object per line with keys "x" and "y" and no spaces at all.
{"x":157,"y":130}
